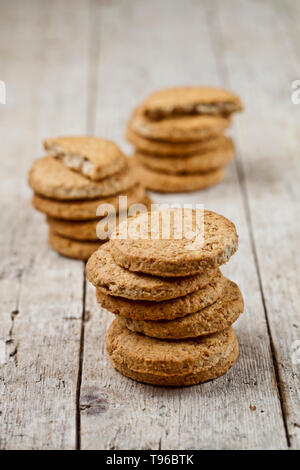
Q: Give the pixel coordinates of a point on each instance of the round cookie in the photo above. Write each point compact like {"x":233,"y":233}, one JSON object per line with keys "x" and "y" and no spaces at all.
{"x":72,"y":248}
{"x":167,"y":183}
{"x":49,"y":177}
{"x":189,"y":100}
{"x":199,"y":162}
{"x":215,"y":317}
{"x":105,"y":274}
{"x":91,"y":156}
{"x":167,"y":362}
{"x":166,"y":309}
{"x":178,"y":129}
{"x":76,"y":230}
{"x":197,"y":241}
{"x":157,"y":147}
{"x":96,"y":229}
{"x":86,"y":209}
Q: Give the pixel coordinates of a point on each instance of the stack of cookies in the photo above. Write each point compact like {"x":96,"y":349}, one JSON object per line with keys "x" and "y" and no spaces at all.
{"x":179,"y":140}
{"x":71,"y":183}
{"x":174,"y":308}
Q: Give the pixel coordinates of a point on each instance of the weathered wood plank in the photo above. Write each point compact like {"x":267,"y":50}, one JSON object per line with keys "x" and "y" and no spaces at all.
{"x":145,"y":46}
{"x":263,"y":63}
{"x":44,"y":55}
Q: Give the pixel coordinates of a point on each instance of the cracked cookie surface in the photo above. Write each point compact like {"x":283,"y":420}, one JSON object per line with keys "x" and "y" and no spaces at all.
{"x":93,"y":157}
{"x":49,"y":177}
{"x":188,"y":100}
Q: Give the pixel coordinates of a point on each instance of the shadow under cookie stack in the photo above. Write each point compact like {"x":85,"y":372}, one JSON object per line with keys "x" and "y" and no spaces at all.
{"x":70,"y":185}
{"x":174,"y":308}
{"x":179,"y":140}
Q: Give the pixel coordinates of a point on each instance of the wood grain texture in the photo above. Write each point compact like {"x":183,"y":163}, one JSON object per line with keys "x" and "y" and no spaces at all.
{"x":270,"y":168}
{"x":117,"y":413}
{"x":42,"y":307}
{"x":81,"y":67}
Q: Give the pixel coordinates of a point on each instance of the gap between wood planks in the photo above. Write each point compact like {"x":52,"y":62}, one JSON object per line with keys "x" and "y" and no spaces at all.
{"x":80,"y":363}
{"x":92,"y":89}
{"x":216,"y":39}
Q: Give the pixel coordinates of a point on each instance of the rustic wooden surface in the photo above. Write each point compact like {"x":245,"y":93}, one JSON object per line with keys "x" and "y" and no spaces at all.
{"x":80,"y":67}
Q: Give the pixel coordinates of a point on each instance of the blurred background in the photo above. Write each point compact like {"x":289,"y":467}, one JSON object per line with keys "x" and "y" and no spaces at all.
{"x":81,"y":67}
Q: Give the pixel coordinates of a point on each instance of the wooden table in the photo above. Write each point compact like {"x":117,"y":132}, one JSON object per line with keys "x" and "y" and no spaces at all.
{"x":80,"y":67}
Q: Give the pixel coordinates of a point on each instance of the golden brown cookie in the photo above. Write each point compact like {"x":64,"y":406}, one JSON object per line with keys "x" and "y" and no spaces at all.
{"x":95,"y":229}
{"x":49,"y":177}
{"x":178,"y":129}
{"x":190,"y":100}
{"x":86,"y":209}
{"x":199,"y":162}
{"x":103,"y":272}
{"x":167,"y":183}
{"x":211,"y":319}
{"x":166,"y":309}
{"x":91,"y":156}
{"x":181,"y":380}
{"x":170,"y":362}
{"x":194,"y":242}
{"x":72,"y":248}
{"x":157,"y":147}
{"x":76,"y":230}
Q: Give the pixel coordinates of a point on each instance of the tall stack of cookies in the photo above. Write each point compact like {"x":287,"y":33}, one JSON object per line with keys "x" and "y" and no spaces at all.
{"x":78,"y":175}
{"x":179,"y":140}
{"x":174,"y":308}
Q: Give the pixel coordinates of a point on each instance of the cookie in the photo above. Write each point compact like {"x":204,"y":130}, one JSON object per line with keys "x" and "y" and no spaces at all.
{"x":190,"y":100}
{"x":86,"y":209}
{"x":211,"y":319}
{"x":91,"y":156}
{"x":72,"y":248}
{"x":170,"y":362}
{"x":96,"y":229}
{"x":167,"y":183}
{"x":49,"y":177}
{"x":166,"y":309}
{"x":178,"y":129}
{"x":199,"y":162}
{"x":110,"y":278}
{"x":157,"y":147}
{"x":186,"y":242}
{"x":76,"y":230}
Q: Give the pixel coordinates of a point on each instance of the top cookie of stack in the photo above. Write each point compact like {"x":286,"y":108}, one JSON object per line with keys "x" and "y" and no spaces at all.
{"x":179,"y":140}
{"x":78,"y":175}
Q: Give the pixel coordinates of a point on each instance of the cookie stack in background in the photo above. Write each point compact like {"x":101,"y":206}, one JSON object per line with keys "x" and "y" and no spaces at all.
{"x":179,"y":140}
{"x":78,"y":175}
{"x":173,"y":307}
